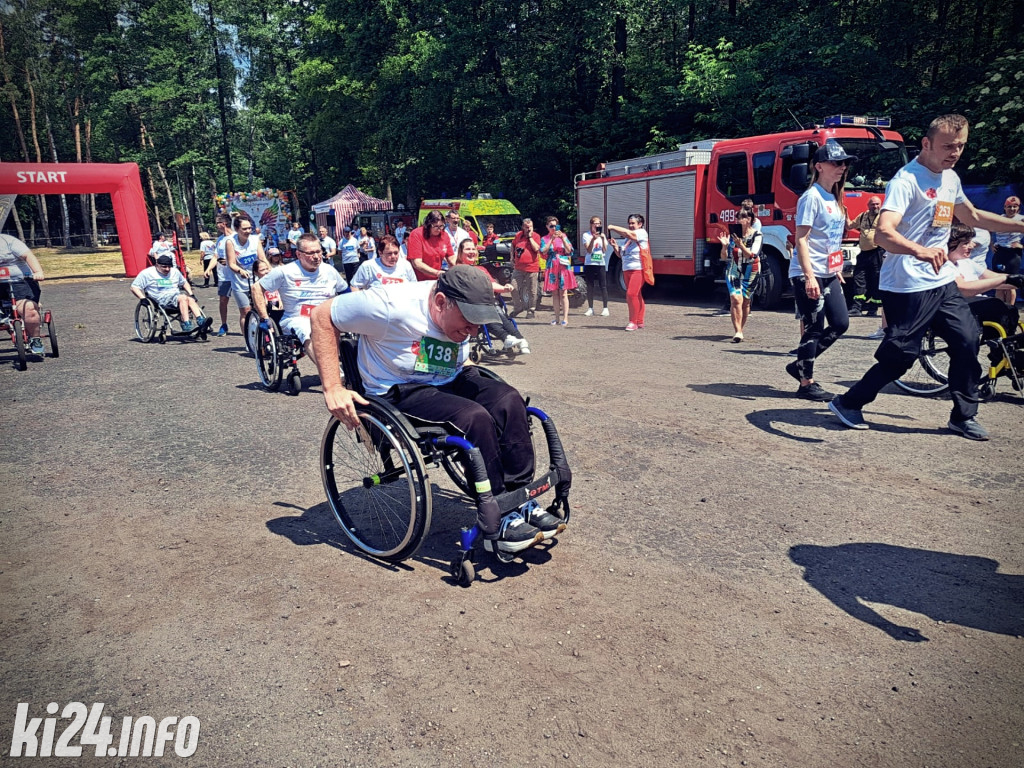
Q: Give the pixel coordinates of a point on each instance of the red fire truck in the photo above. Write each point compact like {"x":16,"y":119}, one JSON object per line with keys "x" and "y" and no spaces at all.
{"x":689,"y":196}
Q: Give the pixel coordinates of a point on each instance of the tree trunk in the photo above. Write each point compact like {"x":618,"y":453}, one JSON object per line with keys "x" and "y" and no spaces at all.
{"x":83,"y":200}
{"x":220,"y":98}
{"x":190,"y":203}
{"x":92,"y":197}
{"x":44,"y":217}
{"x":65,"y":218}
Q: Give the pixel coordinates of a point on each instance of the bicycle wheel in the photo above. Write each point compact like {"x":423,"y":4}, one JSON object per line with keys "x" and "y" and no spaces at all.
{"x":251,"y":331}
{"x":18,"y":333}
{"x":930,"y":373}
{"x":376,"y":484}
{"x":51,"y":334}
{"x":145,"y":321}
{"x":268,"y":357}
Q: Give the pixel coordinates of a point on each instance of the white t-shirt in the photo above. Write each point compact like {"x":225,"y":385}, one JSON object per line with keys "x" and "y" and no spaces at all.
{"x":398,"y":342}
{"x":163,"y":289}
{"x":1008,"y":239}
{"x":373,"y":272}
{"x":925,"y":200}
{"x":969,"y":270}
{"x":368,"y":246}
{"x":300,"y":290}
{"x":457,"y":237}
{"x":160,"y":247}
{"x":601,"y":254}
{"x":245,"y":256}
{"x":223,"y":271}
{"x":328,"y":244}
{"x":631,"y":252}
{"x":400,"y":233}
{"x":12,"y":256}
{"x":294,"y":235}
{"x":207,"y":249}
{"x":979,"y":253}
{"x":817,"y":209}
{"x":350,"y":250}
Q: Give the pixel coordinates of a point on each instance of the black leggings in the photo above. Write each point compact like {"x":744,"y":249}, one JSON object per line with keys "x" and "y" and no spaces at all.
{"x":596,"y":275}
{"x":817,"y":337}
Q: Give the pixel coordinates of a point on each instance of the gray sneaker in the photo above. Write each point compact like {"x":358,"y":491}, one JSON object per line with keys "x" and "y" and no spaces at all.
{"x":514,"y":535}
{"x":35,"y":346}
{"x":541,"y":519}
{"x":968,"y":428}
{"x":852,"y":418}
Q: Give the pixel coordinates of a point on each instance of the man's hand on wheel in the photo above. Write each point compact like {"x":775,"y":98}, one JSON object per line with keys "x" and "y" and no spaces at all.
{"x":264,"y":325}
{"x":341,"y":402}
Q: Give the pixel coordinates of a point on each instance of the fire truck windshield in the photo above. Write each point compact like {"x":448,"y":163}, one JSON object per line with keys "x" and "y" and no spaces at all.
{"x":876,"y":163}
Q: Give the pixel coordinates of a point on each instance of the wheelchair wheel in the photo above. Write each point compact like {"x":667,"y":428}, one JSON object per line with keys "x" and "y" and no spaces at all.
{"x":145,"y":321}
{"x":51,"y":334}
{"x":251,"y":331}
{"x":376,"y":483}
{"x":295,"y":382}
{"x":930,"y":373}
{"x":268,"y":357}
{"x":18,"y":332}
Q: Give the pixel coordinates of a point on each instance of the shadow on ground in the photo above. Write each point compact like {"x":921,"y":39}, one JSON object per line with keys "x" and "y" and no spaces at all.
{"x":954,"y":589}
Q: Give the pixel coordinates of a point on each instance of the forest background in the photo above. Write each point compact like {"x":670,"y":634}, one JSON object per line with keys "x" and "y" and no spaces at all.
{"x":424,"y":99}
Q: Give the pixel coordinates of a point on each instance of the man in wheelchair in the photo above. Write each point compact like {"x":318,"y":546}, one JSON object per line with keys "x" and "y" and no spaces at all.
{"x":301,"y":285}
{"x":414,"y":344}
{"x":164,"y":284}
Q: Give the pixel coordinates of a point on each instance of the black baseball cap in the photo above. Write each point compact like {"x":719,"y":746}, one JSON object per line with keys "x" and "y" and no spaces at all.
{"x":832,"y":152}
{"x":471,"y":290}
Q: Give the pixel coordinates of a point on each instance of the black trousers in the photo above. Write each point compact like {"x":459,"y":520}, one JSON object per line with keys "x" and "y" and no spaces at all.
{"x":909,"y":315}
{"x":488,"y":413}
{"x":817,"y":336}
{"x":865,"y":278}
{"x":596,"y":275}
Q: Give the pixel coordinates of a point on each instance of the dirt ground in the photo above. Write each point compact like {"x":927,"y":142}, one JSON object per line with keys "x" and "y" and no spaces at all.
{"x":744,"y":582}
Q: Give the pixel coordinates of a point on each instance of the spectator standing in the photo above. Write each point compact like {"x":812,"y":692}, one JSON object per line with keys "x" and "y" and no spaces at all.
{"x":526,"y":255}
{"x":632,"y":268}
{"x":329,"y":246}
{"x":918,"y":281}
{"x":208,"y":251}
{"x":294,"y":234}
{"x":742,"y":251}
{"x":367,"y":245}
{"x":866,"y":297}
{"x":456,"y":234}
{"x":816,"y":272}
{"x":429,"y":247}
{"x":1007,"y":248}
{"x":597,"y":249}
{"x":400,"y":232}
{"x":558,"y":274}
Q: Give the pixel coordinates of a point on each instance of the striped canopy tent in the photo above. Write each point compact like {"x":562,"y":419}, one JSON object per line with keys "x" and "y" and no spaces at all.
{"x":344,"y":206}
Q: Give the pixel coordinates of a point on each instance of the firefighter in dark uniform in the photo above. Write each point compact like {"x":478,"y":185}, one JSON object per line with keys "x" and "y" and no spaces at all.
{"x":866,"y":299}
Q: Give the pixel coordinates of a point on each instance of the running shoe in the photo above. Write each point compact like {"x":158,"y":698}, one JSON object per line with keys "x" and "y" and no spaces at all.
{"x":851,"y":417}
{"x":737,"y":338}
{"x":604,"y":312}
{"x":222,"y":331}
{"x":524,"y":347}
{"x":35,"y":346}
{"x":631,"y":327}
{"x":877,"y":334}
{"x":814,"y":392}
{"x":589,"y":312}
{"x":968,"y":428}
{"x":187,"y":326}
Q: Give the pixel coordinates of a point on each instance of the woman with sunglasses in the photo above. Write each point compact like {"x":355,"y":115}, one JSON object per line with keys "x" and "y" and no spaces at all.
{"x":816,"y":272}
{"x":632,"y":268}
{"x":429,"y":247}
{"x":558,"y":275}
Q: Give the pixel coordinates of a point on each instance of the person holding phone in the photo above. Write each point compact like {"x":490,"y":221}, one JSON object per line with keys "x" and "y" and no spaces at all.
{"x":558,"y":274}
{"x":817,"y":271}
{"x":598,"y":248}
{"x":632,"y":268}
{"x":741,"y":249}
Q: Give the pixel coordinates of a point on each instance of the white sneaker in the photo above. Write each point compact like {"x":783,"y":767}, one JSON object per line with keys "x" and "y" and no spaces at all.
{"x":589,"y":313}
{"x":879,"y":334}
{"x":524,"y":348}
{"x":511,"y":342}
{"x":604,"y":312}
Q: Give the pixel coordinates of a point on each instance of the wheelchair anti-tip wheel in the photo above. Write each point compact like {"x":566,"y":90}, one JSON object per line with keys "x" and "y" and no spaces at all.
{"x":463,"y":571}
{"x":376,"y":483}
{"x":145,"y":321}
{"x":295,"y":382}
{"x":268,"y":357}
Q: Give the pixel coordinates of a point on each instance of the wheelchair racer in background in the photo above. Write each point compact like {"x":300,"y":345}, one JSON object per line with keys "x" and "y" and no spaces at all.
{"x":165,"y":285}
{"x":301,"y":286}
{"x":414,"y":343}
{"x":20,"y":275}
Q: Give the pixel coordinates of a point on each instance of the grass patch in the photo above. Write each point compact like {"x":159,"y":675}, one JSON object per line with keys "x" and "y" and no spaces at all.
{"x":105,"y":261}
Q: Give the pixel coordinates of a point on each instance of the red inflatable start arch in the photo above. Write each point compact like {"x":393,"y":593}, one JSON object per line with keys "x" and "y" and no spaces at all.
{"x":120,"y":180}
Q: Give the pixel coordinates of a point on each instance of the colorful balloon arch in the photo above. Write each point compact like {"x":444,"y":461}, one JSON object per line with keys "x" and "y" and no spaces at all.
{"x":120,"y":180}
